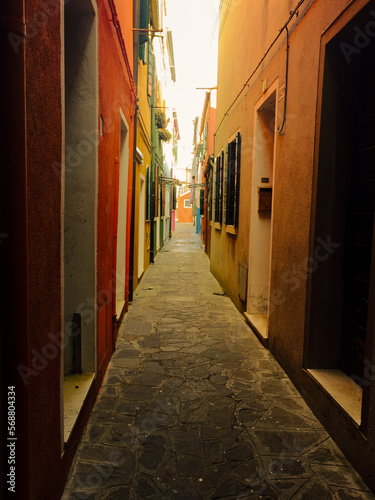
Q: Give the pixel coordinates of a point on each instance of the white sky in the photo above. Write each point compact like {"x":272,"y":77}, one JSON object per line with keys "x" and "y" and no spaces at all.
{"x":194,"y":26}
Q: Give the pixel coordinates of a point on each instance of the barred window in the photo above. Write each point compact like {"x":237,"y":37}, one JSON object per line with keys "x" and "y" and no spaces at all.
{"x":209,"y":194}
{"x":232,"y":181}
{"x":201,"y":201}
{"x":218,"y":194}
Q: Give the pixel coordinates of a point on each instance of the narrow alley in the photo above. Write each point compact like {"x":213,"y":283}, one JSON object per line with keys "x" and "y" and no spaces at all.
{"x":194,"y":407}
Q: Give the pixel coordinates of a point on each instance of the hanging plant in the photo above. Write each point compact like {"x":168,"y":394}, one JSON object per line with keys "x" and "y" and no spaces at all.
{"x":160,"y":119}
{"x":161,"y":123}
{"x":164,"y":135}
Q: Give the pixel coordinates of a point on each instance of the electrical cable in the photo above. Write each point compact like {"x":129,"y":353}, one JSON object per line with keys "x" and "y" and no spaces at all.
{"x":117,"y":26}
{"x":280,"y":129}
{"x":292,"y":14}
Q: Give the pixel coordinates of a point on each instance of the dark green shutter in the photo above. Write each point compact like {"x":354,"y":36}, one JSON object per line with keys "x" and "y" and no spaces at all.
{"x":161,"y":199}
{"x":237,"y":179}
{"x":148,"y":194}
{"x":213,"y":191}
{"x":201,"y":199}
{"x":144,"y":20}
{"x":216,"y":189}
{"x":221,"y":189}
{"x":231,"y":183}
{"x":225,"y":184}
{"x":210,"y":196}
{"x":150,"y":69}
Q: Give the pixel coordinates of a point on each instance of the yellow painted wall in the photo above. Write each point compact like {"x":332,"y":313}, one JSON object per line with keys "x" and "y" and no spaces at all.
{"x":144,"y":145}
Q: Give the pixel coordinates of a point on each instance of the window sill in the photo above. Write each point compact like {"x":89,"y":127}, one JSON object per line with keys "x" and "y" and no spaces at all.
{"x":120,"y":304}
{"x":216,"y":225}
{"x":76,"y":388}
{"x":342,"y":389}
{"x":259,"y":325}
{"x":231,"y":230}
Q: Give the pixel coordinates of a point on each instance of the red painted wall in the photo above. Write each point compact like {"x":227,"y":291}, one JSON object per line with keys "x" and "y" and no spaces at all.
{"x":44,"y":144}
{"x":31,"y":194}
{"x":206,"y":223}
{"x":115,"y":92}
{"x":184,"y":214}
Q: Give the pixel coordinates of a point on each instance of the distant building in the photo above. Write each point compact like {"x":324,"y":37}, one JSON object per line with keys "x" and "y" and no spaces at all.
{"x":185,"y":208}
{"x":205,"y":174}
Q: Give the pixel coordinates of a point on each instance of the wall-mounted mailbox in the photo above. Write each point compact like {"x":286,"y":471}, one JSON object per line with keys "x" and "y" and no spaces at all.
{"x":265,"y":199}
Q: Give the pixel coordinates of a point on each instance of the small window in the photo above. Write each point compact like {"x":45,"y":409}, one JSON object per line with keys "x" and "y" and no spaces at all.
{"x":201,"y":201}
{"x":187,"y":204}
{"x":218,"y":194}
{"x":209,"y":194}
{"x":232,"y":181}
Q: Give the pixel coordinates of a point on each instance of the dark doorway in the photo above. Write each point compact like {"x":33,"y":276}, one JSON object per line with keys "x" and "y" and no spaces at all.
{"x":359,"y":221}
{"x":340,"y":336}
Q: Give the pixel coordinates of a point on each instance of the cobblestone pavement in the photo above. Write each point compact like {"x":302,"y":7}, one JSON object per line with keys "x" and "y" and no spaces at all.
{"x":194,"y":407}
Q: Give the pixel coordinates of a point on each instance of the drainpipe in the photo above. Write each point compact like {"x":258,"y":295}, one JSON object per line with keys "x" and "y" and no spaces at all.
{"x":13,"y":234}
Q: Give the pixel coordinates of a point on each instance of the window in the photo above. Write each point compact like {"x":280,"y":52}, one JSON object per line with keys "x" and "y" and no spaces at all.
{"x":156,"y":192}
{"x":148,"y":194}
{"x":232,"y":181}
{"x":201,"y":201}
{"x":150,"y":70}
{"x":162,"y":201}
{"x":187,"y":204}
{"x":209,"y":178}
{"x":218,"y":194}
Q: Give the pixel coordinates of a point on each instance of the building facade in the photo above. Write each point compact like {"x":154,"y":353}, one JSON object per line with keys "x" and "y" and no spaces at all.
{"x":66,"y":210}
{"x":184,"y":208}
{"x":293,"y":191}
{"x":206,"y":134}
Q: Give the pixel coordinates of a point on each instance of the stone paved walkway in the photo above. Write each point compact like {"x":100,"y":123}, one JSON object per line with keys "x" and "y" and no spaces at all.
{"x":194,"y":407}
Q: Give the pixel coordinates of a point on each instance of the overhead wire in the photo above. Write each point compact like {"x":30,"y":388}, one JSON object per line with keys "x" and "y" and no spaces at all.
{"x":292,"y":14}
{"x":225,"y":15}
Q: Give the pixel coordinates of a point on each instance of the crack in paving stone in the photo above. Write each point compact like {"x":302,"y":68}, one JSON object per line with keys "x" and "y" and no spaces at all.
{"x":194,"y":407}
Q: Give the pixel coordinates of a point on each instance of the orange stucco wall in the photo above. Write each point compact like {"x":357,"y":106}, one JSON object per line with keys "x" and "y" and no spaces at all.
{"x":253,"y":26}
{"x":184,"y":214}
